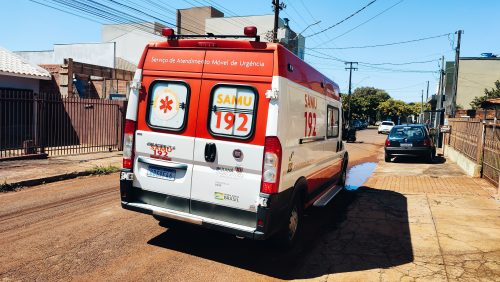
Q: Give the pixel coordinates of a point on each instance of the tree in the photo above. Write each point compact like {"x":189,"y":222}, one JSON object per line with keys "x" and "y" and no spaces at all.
{"x":394,"y":108}
{"x":415,"y":108}
{"x":365,"y":102}
{"x":488,"y":94}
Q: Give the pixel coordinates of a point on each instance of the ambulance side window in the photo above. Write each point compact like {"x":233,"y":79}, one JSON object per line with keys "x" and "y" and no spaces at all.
{"x":168,"y":105}
{"x":332,"y":125}
{"x":232,"y":111}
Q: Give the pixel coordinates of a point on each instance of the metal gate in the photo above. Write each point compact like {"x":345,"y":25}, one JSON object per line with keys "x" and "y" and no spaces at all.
{"x":45,"y":124}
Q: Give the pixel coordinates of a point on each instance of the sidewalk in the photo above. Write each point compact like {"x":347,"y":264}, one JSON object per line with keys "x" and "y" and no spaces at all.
{"x":437,"y":224}
{"x":33,"y":172}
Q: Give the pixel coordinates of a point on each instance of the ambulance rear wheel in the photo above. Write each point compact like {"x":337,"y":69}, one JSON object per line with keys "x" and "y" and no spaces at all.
{"x":291,"y":232}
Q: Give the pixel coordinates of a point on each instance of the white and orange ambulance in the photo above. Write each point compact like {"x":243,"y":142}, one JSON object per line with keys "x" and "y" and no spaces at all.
{"x":235,"y":135}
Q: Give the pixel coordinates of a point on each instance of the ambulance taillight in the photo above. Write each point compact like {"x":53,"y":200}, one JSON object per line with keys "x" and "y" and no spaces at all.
{"x":271,"y":165}
{"x":128,"y":144}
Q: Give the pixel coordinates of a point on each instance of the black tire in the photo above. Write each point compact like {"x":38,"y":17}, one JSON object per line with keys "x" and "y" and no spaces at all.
{"x":430,"y":157}
{"x":387,"y":158}
{"x":292,"y":231}
{"x":343,"y":175}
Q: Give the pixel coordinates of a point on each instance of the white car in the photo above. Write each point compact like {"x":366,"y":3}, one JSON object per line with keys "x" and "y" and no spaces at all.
{"x":385,"y":127}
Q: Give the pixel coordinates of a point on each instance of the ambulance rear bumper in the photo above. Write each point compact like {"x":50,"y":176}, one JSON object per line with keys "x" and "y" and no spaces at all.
{"x":231,"y":228}
{"x":273,"y":216}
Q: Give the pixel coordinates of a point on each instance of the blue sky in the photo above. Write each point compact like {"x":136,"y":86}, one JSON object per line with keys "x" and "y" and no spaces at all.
{"x":30,"y":26}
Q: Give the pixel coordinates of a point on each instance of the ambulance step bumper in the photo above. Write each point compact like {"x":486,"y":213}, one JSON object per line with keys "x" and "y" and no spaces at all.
{"x":235,"y":229}
{"x":328,"y":196}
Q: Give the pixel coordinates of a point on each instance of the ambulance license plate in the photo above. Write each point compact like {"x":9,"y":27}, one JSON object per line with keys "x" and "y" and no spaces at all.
{"x":161,"y":173}
{"x":406,"y":145}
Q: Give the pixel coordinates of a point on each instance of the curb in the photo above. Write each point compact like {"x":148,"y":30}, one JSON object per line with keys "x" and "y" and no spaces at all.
{"x":44,"y":180}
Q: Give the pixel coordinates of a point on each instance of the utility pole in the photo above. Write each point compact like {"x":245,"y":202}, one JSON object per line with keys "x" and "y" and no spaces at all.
{"x":427,"y":95}
{"x":350,"y":68}
{"x":439,"y":104}
{"x":455,"y":76}
{"x":427,"y":98}
{"x":277,"y":6}
{"x":422,"y":108}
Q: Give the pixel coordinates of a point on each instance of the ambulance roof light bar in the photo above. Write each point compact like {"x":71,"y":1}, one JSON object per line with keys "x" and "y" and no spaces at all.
{"x":249,"y":32}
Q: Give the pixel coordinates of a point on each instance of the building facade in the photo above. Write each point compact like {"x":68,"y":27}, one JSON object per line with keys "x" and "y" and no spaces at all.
{"x":265,"y":25}
{"x":474,"y":75}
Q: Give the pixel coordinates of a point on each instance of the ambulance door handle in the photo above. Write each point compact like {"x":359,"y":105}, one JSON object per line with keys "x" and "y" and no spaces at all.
{"x":210,"y":152}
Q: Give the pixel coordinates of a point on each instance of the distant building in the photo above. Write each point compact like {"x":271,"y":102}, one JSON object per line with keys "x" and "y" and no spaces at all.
{"x":474,"y":75}
{"x":18,"y":73}
{"x":265,"y":25}
{"x":130,"y":39}
{"x":192,"y":20}
{"x":203,"y":20}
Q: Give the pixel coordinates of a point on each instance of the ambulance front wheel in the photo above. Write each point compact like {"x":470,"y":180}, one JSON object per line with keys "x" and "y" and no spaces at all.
{"x":343,"y":174}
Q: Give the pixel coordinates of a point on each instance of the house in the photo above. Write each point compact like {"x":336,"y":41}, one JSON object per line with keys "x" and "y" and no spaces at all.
{"x":18,"y":73}
{"x":474,"y":75}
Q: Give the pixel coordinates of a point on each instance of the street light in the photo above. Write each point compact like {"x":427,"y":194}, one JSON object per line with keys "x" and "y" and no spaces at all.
{"x":305,"y":29}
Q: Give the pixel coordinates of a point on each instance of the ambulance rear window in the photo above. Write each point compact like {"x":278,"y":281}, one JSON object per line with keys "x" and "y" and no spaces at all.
{"x":232,"y":111}
{"x":167,"y":105}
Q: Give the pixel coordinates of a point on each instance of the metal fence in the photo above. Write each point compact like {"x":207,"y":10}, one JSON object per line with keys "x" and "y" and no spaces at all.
{"x":491,"y":153}
{"x":479,"y":141}
{"x":465,"y":137}
{"x":45,"y":124}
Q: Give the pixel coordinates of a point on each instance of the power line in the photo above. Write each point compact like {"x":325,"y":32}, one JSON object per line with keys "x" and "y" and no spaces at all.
{"x":397,"y":70}
{"x":65,"y":11}
{"x":401,"y":64}
{"x":109,"y":14}
{"x":369,"y":65}
{"x":386,"y":44}
{"x":364,"y":22}
{"x":336,"y":24}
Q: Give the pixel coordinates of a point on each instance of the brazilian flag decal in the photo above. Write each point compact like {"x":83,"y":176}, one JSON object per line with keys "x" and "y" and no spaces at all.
{"x":219,"y":196}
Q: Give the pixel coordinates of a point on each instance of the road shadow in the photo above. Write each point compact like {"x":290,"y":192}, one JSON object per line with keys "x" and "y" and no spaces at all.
{"x":413,"y":160}
{"x":360,"y":230}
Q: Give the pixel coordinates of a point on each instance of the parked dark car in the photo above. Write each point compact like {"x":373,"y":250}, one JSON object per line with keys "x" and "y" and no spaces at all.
{"x":411,"y":140}
{"x":358,"y":124}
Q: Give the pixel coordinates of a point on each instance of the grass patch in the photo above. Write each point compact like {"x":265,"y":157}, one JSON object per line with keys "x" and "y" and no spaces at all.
{"x":103,"y":170}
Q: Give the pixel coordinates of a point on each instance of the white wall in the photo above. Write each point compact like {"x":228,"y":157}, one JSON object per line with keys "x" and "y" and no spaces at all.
{"x":130,"y":41}
{"x":38,"y":57}
{"x":101,"y":54}
{"x":19,"y":83}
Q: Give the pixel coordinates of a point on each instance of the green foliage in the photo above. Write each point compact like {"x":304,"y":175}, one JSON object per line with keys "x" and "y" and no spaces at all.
{"x":488,"y":94}
{"x":395,"y":108}
{"x":365,"y":102}
{"x":102,"y":170}
{"x":374,"y":104}
{"x":415,"y":108}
